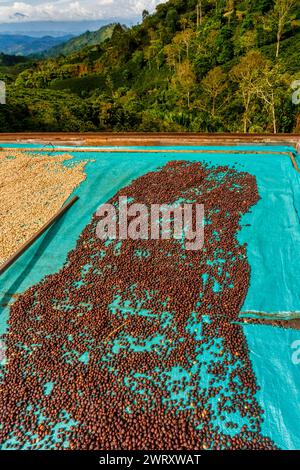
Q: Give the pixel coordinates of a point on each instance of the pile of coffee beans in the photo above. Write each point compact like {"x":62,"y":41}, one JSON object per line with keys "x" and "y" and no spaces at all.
{"x":134,"y":344}
{"x":43,"y":182}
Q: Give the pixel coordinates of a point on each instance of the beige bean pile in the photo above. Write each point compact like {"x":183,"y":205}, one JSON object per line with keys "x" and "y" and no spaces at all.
{"x":33,"y":187}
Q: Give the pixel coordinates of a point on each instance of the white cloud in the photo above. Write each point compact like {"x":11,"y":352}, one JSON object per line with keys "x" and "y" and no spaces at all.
{"x":68,"y":10}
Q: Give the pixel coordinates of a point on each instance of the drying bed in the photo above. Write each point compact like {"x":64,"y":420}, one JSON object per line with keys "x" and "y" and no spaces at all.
{"x":140,"y":344}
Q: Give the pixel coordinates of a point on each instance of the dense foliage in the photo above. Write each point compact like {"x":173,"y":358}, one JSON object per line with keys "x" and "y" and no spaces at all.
{"x":195,"y":65}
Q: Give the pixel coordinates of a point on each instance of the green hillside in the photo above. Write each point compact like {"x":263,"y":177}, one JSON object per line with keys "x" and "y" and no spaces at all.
{"x":193,"y":65}
{"x":89,"y":38}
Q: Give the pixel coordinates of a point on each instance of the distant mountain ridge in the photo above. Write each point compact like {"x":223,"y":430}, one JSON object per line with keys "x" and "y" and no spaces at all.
{"x":89,"y":38}
{"x":17,"y":44}
{"x":59,"y":28}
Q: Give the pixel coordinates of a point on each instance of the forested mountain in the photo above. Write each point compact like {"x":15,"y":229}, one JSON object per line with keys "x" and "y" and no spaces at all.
{"x":89,"y":38}
{"x":25,"y":45}
{"x":195,"y":65}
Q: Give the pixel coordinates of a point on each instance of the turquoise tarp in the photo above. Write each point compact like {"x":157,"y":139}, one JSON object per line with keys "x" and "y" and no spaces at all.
{"x":271,"y":229}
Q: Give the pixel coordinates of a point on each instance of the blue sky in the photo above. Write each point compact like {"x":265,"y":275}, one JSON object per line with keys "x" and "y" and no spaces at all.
{"x":72,"y":10}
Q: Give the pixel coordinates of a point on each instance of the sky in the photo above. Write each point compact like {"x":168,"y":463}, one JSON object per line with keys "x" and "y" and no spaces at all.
{"x":73,"y":10}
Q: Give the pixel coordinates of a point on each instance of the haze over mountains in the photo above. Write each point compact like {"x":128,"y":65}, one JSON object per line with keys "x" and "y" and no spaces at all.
{"x":44,"y":25}
{"x":59,"y":28}
{"x":49,"y":46}
{"x":15,"y":44}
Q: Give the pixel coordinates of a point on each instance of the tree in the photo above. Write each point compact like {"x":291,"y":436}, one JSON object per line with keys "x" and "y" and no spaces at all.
{"x":199,"y":10}
{"x":246,"y":74}
{"x":171,"y":19}
{"x":214,"y":84}
{"x":270,"y":85}
{"x":171,"y":53}
{"x":184,"y":79}
{"x":230,"y":10}
{"x":145,"y":14}
{"x":183,"y":40}
{"x":185,"y":23}
{"x":282,"y":12}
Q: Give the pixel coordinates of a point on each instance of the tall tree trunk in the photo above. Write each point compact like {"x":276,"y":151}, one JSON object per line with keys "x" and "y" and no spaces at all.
{"x":274,"y":114}
{"x":199,"y":13}
{"x":246,"y":112}
{"x":245,"y":122}
{"x":278,"y":43}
